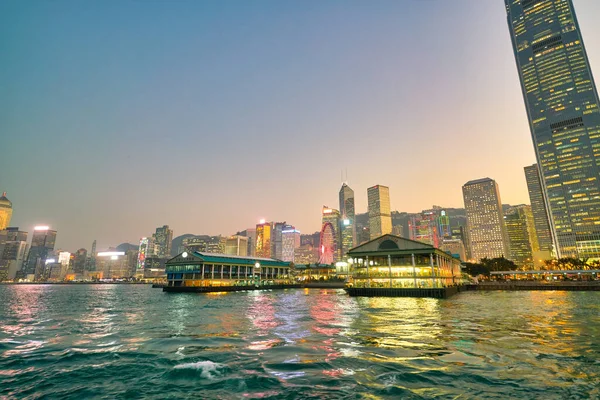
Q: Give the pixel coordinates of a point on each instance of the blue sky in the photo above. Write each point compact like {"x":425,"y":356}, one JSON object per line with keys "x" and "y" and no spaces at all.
{"x":120,"y":116}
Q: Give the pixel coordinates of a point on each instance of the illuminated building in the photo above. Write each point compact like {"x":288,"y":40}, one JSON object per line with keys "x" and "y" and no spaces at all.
{"x":42,"y":243}
{"x":306,"y":254}
{"x":538,"y":209}
{"x":13,"y":250}
{"x":455,"y":247}
{"x":5,"y":211}
{"x":443,"y":223}
{"x":485,"y":220}
{"x":236,"y":246}
{"x":329,"y":243}
{"x":290,"y":242}
{"x":562,"y":106}
{"x":263,"y":239}
{"x":347,"y":221}
{"x":112,"y":265}
{"x":423,"y":228}
{"x":277,"y":239}
{"x":194,"y":271}
{"x":64,"y":258}
{"x":163,"y":237}
{"x":522,"y":239}
{"x":204,"y":243}
{"x":380,"y":217}
{"x":394,"y":262}
{"x":142,"y":254}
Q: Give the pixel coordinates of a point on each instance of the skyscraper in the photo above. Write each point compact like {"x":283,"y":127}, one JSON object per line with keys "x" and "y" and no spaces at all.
{"x":291,"y":241}
{"x":485,"y":220}
{"x":163,"y":238}
{"x":42,"y":244}
{"x":236,"y":245}
{"x":5,"y":211}
{"x":347,"y":221}
{"x":538,"y":208}
{"x":330,"y":246}
{"x":277,"y":239}
{"x":522,"y":239}
{"x":380,"y":216}
{"x":263,"y":239}
{"x":564,"y":118}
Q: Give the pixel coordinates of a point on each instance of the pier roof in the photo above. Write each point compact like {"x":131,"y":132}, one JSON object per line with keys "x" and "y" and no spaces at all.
{"x":217,"y":258}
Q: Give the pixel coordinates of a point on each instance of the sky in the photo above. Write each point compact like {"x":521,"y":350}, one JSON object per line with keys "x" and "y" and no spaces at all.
{"x":117,"y":117}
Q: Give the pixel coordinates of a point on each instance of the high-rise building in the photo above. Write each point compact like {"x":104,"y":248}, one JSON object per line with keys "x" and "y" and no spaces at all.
{"x":485,"y":220}
{"x":79,"y":262}
{"x":13,"y":250}
{"x":423,"y":227}
{"x":42,"y":244}
{"x":263,"y":239}
{"x":380,"y":216}
{"x":204,"y":244}
{"x":330,"y":246}
{"x":236,"y":245}
{"x":142,"y":254}
{"x":291,"y":241}
{"x":564,"y":118}
{"x":6,"y":211}
{"x":538,"y":208}
{"x":347,"y":219}
{"x":277,"y":239}
{"x":112,"y":265}
{"x":522,"y":239}
{"x":163,"y":239}
{"x":251,"y":235}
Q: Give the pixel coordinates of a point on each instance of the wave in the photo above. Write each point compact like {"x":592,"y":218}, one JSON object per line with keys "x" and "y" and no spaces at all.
{"x":208,"y":369}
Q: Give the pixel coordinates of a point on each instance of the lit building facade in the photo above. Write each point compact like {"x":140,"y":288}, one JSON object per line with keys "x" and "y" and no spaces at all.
{"x":455,"y":247}
{"x":347,"y":219}
{"x":291,"y":241}
{"x":277,"y":239}
{"x":163,"y":238}
{"x":204,"y":243}
{"x":485,"y":219}
{"x":423,"y":227}
{"x":380,"y":216}
{"x":205,"y":270}
{"x":263,"y":239}
{"x":306,"y":254}
{"x":394,"y":262}
{"x":522,"y":240}
{"x":562,"y":106}
{"x":538,"y":208}
{"x":42,"y":244}
{"x":6,"y":211}
{"x":142,"y":254}
{"x":112,"y":265}
{"x":79,"y":262}
{"x":13,"y":250}
{"x":329,"y":243}
{"x":236,"y":245}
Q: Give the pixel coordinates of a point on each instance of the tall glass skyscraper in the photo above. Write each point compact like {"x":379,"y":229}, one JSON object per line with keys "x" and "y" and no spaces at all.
{"x":348,"y":225}
{"x":562,"y":107}
{"x":538,"y":208}
{"x":380,"y":216}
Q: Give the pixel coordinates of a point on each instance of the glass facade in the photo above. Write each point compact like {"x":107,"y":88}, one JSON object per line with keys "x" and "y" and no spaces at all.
{"x":562,"y":107}
{"x":522,"y":239}
{"x":485,"y":220}
{"x":380,"y":216}
{"x":348,"y":219}
{"x":538,"y":208}
{"x":330,"y":243}
{"x":263,"y":240}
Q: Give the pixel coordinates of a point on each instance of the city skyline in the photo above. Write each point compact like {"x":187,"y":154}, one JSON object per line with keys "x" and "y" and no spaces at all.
{"x":85,"y":177}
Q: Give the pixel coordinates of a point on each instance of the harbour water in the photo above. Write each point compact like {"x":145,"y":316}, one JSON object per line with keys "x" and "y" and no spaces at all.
{"x":132,"y":341}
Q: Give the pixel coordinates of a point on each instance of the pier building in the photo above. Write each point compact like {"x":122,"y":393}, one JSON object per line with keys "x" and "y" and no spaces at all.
{"x":391,"y":261}
{"x":196,"y":271}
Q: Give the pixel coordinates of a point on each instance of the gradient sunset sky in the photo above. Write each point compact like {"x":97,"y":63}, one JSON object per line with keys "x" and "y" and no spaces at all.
{"x":120,"y":116}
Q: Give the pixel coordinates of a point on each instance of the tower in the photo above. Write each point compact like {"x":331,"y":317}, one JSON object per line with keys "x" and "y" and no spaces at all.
{"x":6,"y":211}
{"x":347,"y":219}
{"x":380,"y":216}
{"x":564,"y":119}
{"x":485,"y":220}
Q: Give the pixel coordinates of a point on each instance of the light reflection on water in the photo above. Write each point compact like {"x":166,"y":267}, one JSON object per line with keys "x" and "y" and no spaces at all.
{"x":93,"y":341}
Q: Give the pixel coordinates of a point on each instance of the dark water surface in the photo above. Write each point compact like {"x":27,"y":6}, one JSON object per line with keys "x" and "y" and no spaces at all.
{"x":132,"y":341}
